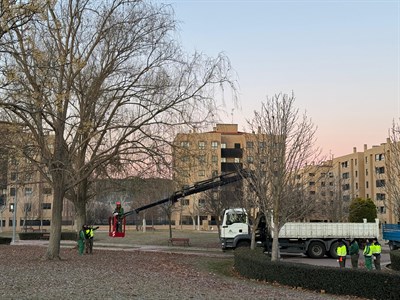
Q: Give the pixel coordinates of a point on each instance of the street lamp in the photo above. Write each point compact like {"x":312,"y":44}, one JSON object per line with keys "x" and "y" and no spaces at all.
{"x":14,"y":210}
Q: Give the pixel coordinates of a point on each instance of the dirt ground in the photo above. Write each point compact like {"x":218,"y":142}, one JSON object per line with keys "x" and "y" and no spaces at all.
{"x":129,"y":274}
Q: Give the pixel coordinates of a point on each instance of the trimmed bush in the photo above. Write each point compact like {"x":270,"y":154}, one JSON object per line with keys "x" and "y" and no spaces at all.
{"x":395,"y":260}
{"x":68,"y":235}
{"x":362,"y":283}
{"x":5,"y":240}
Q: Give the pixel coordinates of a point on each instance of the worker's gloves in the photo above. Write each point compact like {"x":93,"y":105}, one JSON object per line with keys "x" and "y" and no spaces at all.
{"x":116,"y":214}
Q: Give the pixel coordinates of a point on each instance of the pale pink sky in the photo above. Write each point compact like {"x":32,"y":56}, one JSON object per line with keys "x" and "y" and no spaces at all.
{"x":340,"y":58}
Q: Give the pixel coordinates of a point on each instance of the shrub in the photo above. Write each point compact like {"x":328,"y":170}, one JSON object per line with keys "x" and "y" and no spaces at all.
{"x":362,"y":283}
{"x":5,"y":240}
{"x":395,"y":259}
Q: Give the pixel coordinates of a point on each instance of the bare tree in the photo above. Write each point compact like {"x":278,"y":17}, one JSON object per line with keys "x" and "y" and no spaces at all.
{"x":97,"y":84}
{"x":15,"y":14}
{"x":285,"y":146}
{"x":392,"y":173}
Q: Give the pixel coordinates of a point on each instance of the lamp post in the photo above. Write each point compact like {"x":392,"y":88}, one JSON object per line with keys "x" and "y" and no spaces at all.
{"x":14,"y":218}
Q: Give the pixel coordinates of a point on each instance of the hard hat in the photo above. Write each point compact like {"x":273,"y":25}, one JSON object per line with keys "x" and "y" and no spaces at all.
{"x":118,"y":203}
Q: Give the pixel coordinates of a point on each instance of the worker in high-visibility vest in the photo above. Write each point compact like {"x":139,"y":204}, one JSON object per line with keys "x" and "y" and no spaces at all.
{"x":341,"y":252}
{"x":376,"y":252}
{"x":368,"y":255}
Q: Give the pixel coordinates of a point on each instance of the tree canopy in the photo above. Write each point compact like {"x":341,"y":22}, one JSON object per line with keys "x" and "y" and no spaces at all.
{"x":362,"y":209}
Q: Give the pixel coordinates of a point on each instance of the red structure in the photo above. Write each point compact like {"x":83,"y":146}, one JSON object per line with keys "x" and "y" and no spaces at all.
{"x":113,"y":227}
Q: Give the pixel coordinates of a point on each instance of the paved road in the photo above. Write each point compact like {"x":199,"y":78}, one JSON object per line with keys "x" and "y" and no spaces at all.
{"x":297,"y":258}
{"x":330,"y":262}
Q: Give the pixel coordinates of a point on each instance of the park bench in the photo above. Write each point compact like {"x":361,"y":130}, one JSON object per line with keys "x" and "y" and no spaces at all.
{"x":183,"y":241}
{"x":45,"y":236}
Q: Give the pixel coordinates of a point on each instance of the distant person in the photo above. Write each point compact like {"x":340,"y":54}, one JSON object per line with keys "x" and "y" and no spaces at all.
{"x":368,"y":255}
{"x":376,"y":253}
{"x":89,"y":235}
{"x":341,"y":252}
{"x":119,"y":213}
{"x":354,"y":253}
{"x":81,"y":240}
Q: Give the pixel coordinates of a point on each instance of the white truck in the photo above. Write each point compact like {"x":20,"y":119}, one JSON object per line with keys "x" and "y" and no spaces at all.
{"x":313,"y":239}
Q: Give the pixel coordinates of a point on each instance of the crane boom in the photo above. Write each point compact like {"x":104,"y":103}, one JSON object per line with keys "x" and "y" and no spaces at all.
{"x":195,"y":188}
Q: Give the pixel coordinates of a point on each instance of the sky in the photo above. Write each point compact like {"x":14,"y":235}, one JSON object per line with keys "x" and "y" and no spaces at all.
{"x":341,"y":59}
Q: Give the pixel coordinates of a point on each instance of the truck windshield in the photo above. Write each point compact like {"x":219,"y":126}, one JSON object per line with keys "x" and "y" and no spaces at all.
{"x":235,"y":217}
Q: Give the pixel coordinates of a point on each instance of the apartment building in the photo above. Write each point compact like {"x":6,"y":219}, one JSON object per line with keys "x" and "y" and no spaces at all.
{"x":202,"y":155}
{"x":331,"y":185}
{"x":26,"y":198}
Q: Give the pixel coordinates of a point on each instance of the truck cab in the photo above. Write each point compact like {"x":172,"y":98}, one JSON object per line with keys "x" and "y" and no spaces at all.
{"x":235,"y":229}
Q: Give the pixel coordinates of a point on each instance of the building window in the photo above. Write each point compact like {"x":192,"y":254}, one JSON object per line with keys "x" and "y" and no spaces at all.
{"x":261,"y":145}
{"x":27,"y":207}
{"x":346,"y":197}
{"x":214,"y":159}
{"x":202,"y":145}
{"x":185,"y":202}
{"x":28,"y":191}
{"x":312,"y":193}
{"x":379,"y":157}
{"x":367,"y":185}
{"x":380,"y":183}
{"x":12,"y":191}
{"x":380,"y":196}
{"x":346,"y":175}
{"x":330,"y":174}
{"x":214,"y":145}
{"x":46,"y":205}
{"x":201,"y":173}
{"x":185,"y":144}
{"x":380,"y":170}
{"x":355,"y":162}
{"x":311,"y":174}
{"x":223,"y":145}
{"x":346,"y":187}
{"x":13,"y":176}
{"x":356,"y":185}
{"x":366,"y":159}
{"x":366,"y":172}
{"x":356,"y":174}
{"x":47,"y":191}
{"x":249,"y":145}
{"x":311,"y":183}
{"x":214,"y":173}
{"x":344,"y":164}
{"x":323,"y":183}
{"x":202,"y":202}
{"x":382,"y":209}
{"x":202,"y":159}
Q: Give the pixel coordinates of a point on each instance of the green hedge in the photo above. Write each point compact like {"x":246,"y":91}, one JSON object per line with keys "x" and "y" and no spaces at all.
{"x":68,"y":235}
{"x":371,"y":284}
{"x":395,"y":260}
{"x":5,"y":240}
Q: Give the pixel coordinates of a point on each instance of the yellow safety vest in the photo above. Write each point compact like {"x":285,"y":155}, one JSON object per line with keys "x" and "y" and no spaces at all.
{"x":341,"y":250}
{"x":376,"y":249}
{"x":368,"y":250}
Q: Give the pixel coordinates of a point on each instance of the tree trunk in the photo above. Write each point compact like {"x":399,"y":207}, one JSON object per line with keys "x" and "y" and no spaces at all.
{"x":275,"y":243}
{"x":53,"y":250}
{"x":80,"y":204}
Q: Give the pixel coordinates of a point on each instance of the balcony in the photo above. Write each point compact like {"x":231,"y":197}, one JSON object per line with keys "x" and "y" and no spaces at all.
{"x":232,"y":153}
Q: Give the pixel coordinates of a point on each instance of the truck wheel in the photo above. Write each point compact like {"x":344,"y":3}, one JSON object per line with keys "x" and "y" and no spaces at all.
{"x":392,"y":247}
{"x":332,"y":251}
{"x":243,"y":244}
{"x":316,"y":250}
